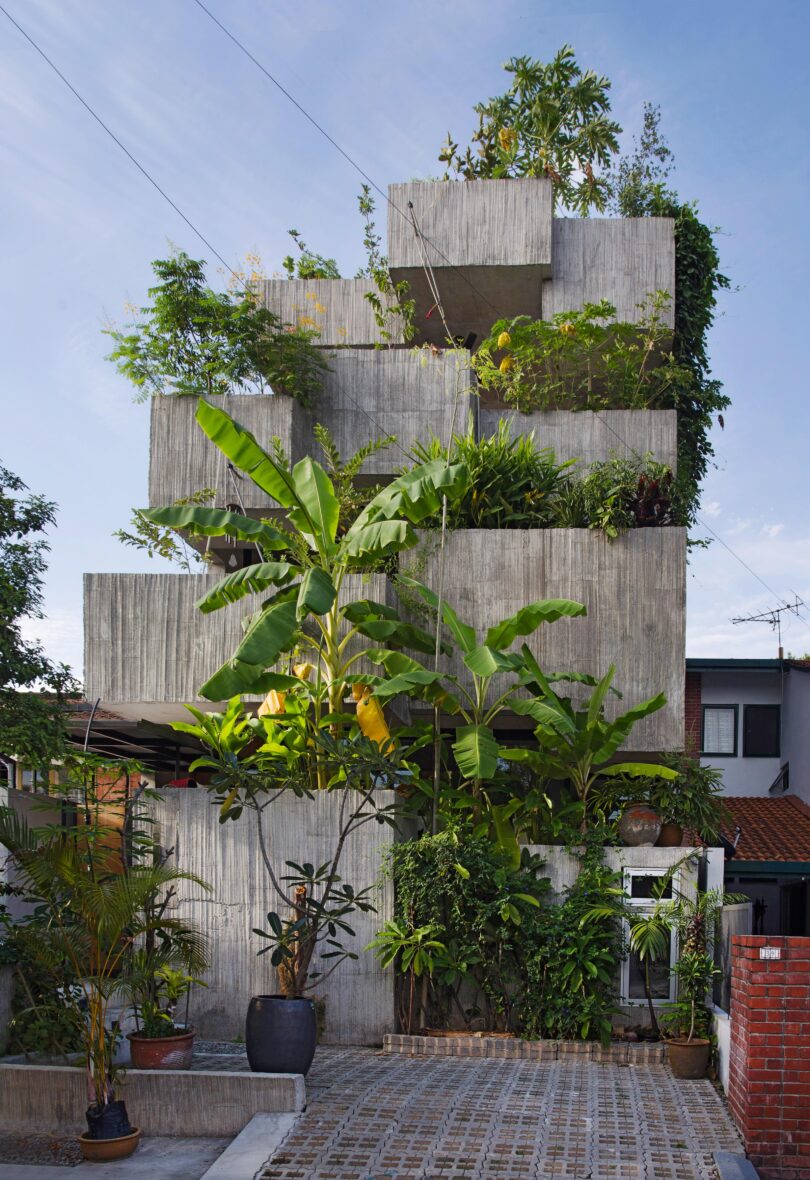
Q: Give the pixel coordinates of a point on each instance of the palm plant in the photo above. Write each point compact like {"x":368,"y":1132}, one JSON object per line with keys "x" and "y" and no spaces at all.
{"x":92,"y":911}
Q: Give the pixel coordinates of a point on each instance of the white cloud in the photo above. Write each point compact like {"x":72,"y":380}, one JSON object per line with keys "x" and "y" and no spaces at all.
{"x":61,"y":637}
{"x":711,"y":509}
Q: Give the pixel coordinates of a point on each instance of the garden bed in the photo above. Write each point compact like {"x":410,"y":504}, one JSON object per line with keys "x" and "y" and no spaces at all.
{"x":513,"y":1049}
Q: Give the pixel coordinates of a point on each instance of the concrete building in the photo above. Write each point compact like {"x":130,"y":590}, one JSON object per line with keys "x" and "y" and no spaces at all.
{"x":493,"y":249}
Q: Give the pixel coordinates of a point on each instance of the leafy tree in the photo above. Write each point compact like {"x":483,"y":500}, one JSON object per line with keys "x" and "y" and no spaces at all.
{"x":31,"y":723}
{"x":552,"y":121}
{"x":193,"y":341}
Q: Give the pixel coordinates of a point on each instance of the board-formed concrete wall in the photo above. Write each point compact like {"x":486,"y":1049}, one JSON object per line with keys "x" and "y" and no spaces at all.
{"x":334,"y":308}
{"x":359,"y":995}
{"x":183,"y":460}
{"x":634,"y":589}
{"x":470,"y":223}
{"x":367,"y":394}
{"x":412,"y":395}
{"x":590,"y":437}
{"x":146,"y":641}
{"x":622,"y":260}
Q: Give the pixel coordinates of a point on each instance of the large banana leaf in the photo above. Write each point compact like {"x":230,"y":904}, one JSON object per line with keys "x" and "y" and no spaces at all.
{"x":239,"y":445}
{"x":218,"y":522}
{"x":484,"y":661}
{"x":550,"y":714}
{"x":367,"y":608}
{"x":316,"y":594}
{"x":641,"y":770}
{"x":319,"y":506}
{"x":415,"y":495}
{"x":464,"y":634}
{"x":529,"y":618}
{"x":618,"y":730}
{"x":269,"y":635}
{"x":251,"y":580}
{"x":476,"y":751}
{"x":377,"y":540}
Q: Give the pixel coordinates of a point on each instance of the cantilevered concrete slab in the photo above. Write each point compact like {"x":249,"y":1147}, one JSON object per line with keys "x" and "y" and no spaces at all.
{"x":488,"y":242}
{"x":336,"y":309}
{"x":591,"y":437}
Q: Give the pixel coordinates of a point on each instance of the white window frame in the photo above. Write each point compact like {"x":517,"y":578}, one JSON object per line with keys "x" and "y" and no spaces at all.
{"x":645,"y":905}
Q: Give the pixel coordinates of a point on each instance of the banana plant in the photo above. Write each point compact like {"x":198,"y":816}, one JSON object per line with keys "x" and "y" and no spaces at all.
{"x":578,"y":744}
{"x":476,"y":701}
{"x":304,"y":563}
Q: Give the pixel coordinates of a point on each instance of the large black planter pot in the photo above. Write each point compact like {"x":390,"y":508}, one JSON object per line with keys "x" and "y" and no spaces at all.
{"x":280,"y":1034}
{"x":108,"y":1122}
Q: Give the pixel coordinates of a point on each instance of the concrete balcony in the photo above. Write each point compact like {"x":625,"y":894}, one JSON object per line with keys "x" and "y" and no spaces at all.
{"x":489,"y":243}
{"x":592,"y":437}
{"x":334,"y":308}
{"x":634,"y":589}
{"x":621,"y":260}
{"x":147,"y":648}
{"x":366,"y":394}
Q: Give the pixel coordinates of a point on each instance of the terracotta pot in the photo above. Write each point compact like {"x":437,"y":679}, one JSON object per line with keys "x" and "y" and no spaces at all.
{"x":161,"y":1052}
{"x":671,"y":836}
{"x":100,"y":1150}
{"x":688,"y":1059}
{"x":639,"y":825}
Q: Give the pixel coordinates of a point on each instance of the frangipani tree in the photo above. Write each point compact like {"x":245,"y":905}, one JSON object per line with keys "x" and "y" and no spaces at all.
{"x":312,"y":555}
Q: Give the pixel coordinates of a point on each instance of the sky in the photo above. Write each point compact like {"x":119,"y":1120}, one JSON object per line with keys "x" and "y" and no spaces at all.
{"x":79,"y":225}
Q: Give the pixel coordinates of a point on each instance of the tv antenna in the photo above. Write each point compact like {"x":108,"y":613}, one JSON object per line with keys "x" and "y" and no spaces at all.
{"x":774,"y":617}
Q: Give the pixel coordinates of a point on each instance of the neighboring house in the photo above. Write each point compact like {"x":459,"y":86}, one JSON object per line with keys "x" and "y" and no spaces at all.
{"x":772,"y":861}
{"x":751,"y":720}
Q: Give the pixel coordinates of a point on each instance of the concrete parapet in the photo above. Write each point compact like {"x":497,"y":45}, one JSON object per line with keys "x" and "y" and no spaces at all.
{"x":53,"y":1098}
{"x":590,"y":437}
{"x":622,"y":260}
{"x":183,"y":460}
{"x":334,"y":308}
{"x":634,"y":589}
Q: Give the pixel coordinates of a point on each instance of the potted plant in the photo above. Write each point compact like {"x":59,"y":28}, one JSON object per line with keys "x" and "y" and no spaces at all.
{"x":99,"y":907}
{"x":691,"y":802}
{"x":159,"y":1042}
{"x":688,"y":1019}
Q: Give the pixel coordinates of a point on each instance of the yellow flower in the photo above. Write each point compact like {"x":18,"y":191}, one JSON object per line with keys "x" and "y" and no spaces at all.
{"x":303,"y":671}
{"x":507,"y":138}
{"x":504,"y":340}
{"x":506,"y":364}
{"x":568,"y":329}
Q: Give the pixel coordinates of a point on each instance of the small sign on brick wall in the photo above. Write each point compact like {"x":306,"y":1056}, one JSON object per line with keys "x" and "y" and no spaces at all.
{"x":770,"y":952}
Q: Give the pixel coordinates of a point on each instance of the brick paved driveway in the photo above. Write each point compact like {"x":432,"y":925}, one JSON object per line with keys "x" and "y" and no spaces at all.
{"x":375,"y":1117}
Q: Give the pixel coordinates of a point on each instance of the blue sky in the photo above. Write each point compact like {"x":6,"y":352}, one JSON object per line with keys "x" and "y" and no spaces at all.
{"x":80,"y":225}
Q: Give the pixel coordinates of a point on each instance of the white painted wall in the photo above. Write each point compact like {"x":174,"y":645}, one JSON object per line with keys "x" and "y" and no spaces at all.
{"x":796,"y":731}
{"x":744,"y":776}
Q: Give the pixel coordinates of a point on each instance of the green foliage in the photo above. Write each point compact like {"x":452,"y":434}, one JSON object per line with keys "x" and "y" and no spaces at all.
{"x":552,"y":121}
{"x":637,"y":180}
{"x":31,"y":722}
{"x":91,"y":908}
{"x":512,"y":483}
{"x":693,"y":799}
{"x":393,"y":309}
{"x":304,"y":609}
{"x":155,"y":541}
{"x":571,"y":977}
{"x":616,"y":495}
{"x":465,"y":921}
{"x":577,"y":743}
{"x":250,"y":762}
{"x":193,"y":341}
{"x":583,"y":360}
{"x":308,"y":265}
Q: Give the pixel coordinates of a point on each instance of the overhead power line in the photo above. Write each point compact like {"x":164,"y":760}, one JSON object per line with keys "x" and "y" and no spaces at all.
{"x":144,"y":171}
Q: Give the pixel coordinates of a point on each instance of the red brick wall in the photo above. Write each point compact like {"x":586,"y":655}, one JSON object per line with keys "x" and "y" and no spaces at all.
{"x":693,"y":719}
{"x":769,"y":1078}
